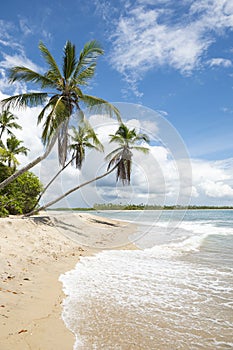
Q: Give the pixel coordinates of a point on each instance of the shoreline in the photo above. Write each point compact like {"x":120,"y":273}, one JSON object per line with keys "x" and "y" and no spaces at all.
{"x":34,"y":252}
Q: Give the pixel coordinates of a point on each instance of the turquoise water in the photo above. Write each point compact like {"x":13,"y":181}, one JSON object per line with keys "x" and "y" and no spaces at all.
{"x":175,"y":293}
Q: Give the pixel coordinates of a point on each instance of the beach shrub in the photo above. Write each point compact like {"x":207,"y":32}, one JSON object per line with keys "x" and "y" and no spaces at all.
{"x":20,"y":196}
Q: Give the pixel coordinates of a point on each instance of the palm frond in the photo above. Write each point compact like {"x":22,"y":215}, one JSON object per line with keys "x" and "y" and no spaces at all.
{"x":128,"y":171}
{"x":14,"y":125}
{"x":124,"y":171}
{"x":142,"y":137}
{"x":117,"y":151}
{"x":28,"y":75}
{"x":85,"y":75}
{"x":117,"y":139}
{"x":78,"y":156}
{"x":114,"y":161}
{"x":90,"y":134}
{"x":69,"y":60}
{"x":54,"y":119}
{"x":142,"y":149}
{"x":91,"y":51}
{"x":23,"y":100}
{"x":98,"y":105}
{"x":42,"y":113}
{"x":124,"y":132}
{"x":53,"y":68}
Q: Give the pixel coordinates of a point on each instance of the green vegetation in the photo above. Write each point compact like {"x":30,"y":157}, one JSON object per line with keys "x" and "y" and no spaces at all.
{"x":7,"y":122}
{"x":71,"y":209}
{"x":9,"y":151}
{"x":20,"y":196}
{"x":111,"y":206}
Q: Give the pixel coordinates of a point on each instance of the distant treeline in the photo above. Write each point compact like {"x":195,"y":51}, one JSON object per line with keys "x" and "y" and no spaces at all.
{"x":71,"y":209}
{"x":111,"y":206}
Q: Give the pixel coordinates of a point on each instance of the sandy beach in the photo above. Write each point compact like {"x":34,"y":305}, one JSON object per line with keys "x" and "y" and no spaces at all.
{"x":34,"y":252}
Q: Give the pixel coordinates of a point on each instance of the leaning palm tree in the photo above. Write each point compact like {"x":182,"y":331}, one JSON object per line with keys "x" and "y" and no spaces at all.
{"x":120,"y":159}
{"x":12,"y":149}
{"x":81,"y":139}
{"x":61,"y":94}
{"x":122,"y":156}
{"x":7,"y":122}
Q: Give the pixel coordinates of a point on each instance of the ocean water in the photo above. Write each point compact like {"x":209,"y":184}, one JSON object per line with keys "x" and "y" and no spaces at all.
{"x":174,"y":293}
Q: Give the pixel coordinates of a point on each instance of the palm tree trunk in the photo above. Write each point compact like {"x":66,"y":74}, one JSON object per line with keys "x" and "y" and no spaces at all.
{"x":30,"y":165}
{"x":51,"y":181}
{"x":70,"y":191}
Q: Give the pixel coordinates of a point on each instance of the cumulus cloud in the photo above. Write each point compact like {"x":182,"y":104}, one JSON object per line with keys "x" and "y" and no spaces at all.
{"x":217,"y":189}
{"x":162,"y":176}
{"x":157,"y":178}
{"x":213,"y":179}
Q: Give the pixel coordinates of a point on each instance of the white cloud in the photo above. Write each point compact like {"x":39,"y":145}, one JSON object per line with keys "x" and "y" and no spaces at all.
{"x":18,"y":60}
{"x":8,"y":39}
{"x":158,"y":178}
{"x":149,"y":125}
{"x":212,"y":171}
{"x":217,"y":189}
{"x":13,"y":54}
{"x":10,"y":61}
{"x":220,"y":62}
{"x":213,"y":179}
{"x":146,"y":37}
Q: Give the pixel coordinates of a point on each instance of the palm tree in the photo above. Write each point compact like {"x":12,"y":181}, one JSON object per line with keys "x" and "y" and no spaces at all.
{"x":7,"y":122}
{"x":62,"y":95}
{"x":82,"y":139}
{"x":121,"y":159}
{"x":13,"y":148}
{"x":122,"y":156}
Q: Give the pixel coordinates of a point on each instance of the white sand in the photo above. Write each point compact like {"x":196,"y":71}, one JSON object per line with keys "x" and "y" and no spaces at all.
{"x":33,"y":254}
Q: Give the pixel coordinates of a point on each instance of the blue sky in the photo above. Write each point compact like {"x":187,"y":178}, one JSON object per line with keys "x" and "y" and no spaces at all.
{"x":175,"y":57}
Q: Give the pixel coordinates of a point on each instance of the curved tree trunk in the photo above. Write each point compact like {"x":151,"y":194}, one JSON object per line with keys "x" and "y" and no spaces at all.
{"x":29,"y":166}
{"x":70,"y":191}
{"x":51,"y":181}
